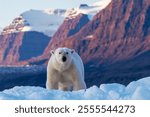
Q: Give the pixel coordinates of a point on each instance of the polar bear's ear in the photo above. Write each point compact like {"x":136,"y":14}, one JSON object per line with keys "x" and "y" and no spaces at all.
{"x":52,"y":52}
{"x":72,"y":51}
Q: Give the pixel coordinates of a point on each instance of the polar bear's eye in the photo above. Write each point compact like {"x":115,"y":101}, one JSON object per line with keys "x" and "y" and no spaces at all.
{"x":67,"y":53}
{"x":59,"y":52}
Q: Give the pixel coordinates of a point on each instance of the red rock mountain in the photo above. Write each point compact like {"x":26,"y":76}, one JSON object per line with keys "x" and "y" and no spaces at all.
{"x":67,"y":29}
{"x":119,"y":32}
{"x":17,"y":48}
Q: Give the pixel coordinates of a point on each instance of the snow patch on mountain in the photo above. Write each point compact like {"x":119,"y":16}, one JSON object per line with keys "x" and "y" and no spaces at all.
{"x":139,"y":90}
{"x":93,"y":9}
{"x":90,"y":10}
{"x":47,"y":21}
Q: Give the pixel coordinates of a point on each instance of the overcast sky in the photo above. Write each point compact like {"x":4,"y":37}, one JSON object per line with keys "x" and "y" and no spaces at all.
{"x":9,"y":9}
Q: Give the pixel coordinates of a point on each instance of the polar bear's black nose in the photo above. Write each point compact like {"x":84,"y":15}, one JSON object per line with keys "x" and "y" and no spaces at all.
{"x":64,"y":59}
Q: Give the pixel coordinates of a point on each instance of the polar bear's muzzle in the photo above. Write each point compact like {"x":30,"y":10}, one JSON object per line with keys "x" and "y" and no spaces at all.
{"x":64,"y":58}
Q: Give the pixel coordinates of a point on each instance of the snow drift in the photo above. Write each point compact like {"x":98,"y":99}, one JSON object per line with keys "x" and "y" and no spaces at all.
{"x":136,"y":90}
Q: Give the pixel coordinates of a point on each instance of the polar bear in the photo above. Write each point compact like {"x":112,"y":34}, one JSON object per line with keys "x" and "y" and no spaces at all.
{"x":65,"y":70}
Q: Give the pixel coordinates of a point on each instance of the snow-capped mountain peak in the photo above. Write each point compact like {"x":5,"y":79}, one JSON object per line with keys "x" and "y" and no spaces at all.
{"x":45,"y":21}
{"x":49,"y":20}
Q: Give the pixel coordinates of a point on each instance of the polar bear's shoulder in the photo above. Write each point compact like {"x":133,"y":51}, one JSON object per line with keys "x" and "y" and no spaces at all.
{"x":77,"y":58}
{"x":78,"y":63}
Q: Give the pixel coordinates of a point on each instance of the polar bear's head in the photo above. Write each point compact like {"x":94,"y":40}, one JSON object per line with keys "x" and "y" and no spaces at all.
{"x":63,"y":55}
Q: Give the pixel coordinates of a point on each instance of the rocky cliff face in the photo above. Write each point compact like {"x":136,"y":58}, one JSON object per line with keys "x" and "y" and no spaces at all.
{"x":16,"y":26}
{"x":69,"y":27}
{"x":17,"y":48}
{"x":119,"y":32}
{"x":7,"y":48}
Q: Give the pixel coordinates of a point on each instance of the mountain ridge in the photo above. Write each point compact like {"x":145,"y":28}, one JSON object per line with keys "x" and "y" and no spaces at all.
{"x":48,"y":21}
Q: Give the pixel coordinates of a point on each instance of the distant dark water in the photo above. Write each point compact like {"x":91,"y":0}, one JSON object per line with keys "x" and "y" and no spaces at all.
{"x":121,"y":72}
{"x":22,"y":76}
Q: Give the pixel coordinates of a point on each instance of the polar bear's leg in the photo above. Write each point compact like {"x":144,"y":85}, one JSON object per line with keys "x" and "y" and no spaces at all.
{"x":51,"y":85}
{"x":78,"y":80}
{"x":65,"y":86}
{"x":78,"y":85}
{"x":52,"y":81}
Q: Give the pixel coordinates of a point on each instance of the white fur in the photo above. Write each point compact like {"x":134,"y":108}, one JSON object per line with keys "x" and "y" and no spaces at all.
{"x":65,"y":76}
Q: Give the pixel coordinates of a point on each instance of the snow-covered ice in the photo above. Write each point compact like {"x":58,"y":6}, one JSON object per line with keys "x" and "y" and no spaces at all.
{"x":136,"y":90}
